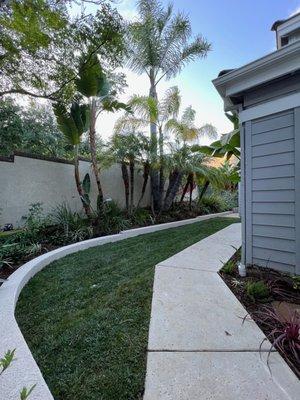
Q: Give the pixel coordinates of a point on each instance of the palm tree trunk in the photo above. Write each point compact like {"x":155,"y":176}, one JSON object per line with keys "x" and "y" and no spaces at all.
{"x":154,"y":175}
{"x":161,"y":169}
{"x":131,"y":169}
{"x":185,"y":188}
{"x":92,"y":140}
{"x":146,"y":177}
{"x":86,"y":206}
{"x":126,"y":183}
{"x":191,"y":190}
{"x":204,"y":189}
{"x":174,"y":184}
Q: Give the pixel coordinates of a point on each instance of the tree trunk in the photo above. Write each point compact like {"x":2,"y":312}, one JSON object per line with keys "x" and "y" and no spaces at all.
{"x":92,"y":140}
{"x":86,"y":206}
{"x":146,"y":177}
{"x":126,"y":183}
{"x":188,"y":180}
{"x":131,"y":169}
{"x":204,"y":189}
{"x":154,"y":174}
{"x":174,"y":184}
{"x":161,"y":169}
{"x":191,"y":190}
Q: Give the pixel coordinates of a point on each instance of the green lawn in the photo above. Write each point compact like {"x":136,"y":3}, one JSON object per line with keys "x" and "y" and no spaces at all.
{"x":86,"y":316}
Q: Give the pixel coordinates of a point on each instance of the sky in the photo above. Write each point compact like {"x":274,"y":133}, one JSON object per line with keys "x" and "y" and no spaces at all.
{"x":239,"y":31}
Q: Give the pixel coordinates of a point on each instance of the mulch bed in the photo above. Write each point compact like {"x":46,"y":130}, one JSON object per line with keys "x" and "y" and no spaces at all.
{"x":283,"y":291}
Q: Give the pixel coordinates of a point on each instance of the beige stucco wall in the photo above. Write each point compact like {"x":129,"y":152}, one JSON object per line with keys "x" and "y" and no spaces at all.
{"x":28,"y":180}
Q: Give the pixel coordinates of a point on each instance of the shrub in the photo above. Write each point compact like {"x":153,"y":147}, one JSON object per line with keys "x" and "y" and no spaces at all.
{"x":70,"y":227}
{"x":112,"y":218}
{"x":212,"y":204}
{"x":229,"y":268}
{"x":141,"y":217}
{"x":257,"y":291}
{"x":231,"y":199}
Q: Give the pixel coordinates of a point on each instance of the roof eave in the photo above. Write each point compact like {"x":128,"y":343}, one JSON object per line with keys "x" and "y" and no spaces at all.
{"x":281,"y":62}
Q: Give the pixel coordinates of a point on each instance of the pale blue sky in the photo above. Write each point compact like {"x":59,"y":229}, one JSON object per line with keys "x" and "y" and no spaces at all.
{"x":239,"y":31}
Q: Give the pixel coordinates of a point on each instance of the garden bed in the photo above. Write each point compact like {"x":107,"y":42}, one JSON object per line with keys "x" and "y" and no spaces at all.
{"x":86,"y":316}
{"x":42,"y":234}
{"x":272,"y":299}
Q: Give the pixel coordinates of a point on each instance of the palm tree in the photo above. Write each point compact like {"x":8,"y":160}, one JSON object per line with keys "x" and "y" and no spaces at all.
{"x":126,"y":149}
{"x":147,"y":110}
{"x":159,"y":45}
{"x":92,"y":82}
{"x":73,"y":124}
{"x":185,"y":130}
{"x":182,"y":162}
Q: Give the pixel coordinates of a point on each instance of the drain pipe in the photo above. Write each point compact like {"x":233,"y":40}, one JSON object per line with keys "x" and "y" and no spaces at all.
{"x":242,"y":270}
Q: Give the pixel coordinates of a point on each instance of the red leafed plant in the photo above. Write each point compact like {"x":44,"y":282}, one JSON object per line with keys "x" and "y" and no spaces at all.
{"x":284,"y":332}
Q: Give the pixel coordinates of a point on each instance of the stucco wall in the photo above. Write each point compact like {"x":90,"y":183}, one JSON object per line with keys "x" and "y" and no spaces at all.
{"x":25,"y":180}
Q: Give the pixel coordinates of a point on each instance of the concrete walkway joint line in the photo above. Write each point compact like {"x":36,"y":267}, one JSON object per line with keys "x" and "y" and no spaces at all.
{"x":198,"y":347}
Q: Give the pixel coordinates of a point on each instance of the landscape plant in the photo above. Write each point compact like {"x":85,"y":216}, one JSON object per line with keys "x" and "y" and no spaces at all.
{"x":159,"y":45}
{"x":73,"y":124}
{"x":257,"y":291}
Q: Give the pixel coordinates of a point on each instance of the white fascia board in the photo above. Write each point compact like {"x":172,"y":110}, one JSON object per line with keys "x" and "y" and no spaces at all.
{"x":281,"y":62}
{"x":270,"y":107}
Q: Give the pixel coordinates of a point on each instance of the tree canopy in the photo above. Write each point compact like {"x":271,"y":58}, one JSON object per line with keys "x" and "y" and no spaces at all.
{"x":42,"y":45}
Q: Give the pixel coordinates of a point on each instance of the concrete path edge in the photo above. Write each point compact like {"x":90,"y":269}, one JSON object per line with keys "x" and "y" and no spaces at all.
{"x":24,"y":371}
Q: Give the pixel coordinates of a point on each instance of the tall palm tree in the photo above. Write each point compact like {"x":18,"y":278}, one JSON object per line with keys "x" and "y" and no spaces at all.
{"x":73,"y":124}
{"x":160,"y":45}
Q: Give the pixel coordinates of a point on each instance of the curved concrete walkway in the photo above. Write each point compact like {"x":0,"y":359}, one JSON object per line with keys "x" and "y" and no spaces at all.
{"x":198,"y":347}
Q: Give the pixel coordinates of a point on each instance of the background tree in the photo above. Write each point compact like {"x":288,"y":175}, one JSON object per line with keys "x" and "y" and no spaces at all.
{"x":32,"y":129}
{"x":160,"y":45}
{"x":42,"y":42}
{"x":10,"y":127}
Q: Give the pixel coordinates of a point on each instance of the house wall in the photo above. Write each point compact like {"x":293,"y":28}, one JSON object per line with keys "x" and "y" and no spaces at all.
{"x":25,"y":180}
{"x":271,"y":181}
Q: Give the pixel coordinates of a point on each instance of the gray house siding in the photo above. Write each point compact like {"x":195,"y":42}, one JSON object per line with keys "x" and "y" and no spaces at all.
{"x":270,"y":202}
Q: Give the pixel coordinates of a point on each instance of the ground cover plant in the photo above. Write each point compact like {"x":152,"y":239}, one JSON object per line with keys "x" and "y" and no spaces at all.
{"x":42,"y":233}
{"x":273,"y":301}
{"x":86,"y":316}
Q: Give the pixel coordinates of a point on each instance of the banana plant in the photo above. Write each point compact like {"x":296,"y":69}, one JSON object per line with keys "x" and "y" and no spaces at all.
{"x":228,"y":145}
{"x":93,"y":84}
{"x":73,"y":124}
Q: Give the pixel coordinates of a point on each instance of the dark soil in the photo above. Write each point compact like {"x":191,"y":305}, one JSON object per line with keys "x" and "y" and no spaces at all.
{"x":282,"y":288}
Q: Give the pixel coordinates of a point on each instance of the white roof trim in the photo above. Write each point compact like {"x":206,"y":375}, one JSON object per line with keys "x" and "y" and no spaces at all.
{"x":270,"y":107}
{"x":281,"y":62}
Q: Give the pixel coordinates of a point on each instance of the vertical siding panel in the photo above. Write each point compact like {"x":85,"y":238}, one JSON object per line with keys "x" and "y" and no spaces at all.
{"x":248,"y":191}
{"x":297,"y":186}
